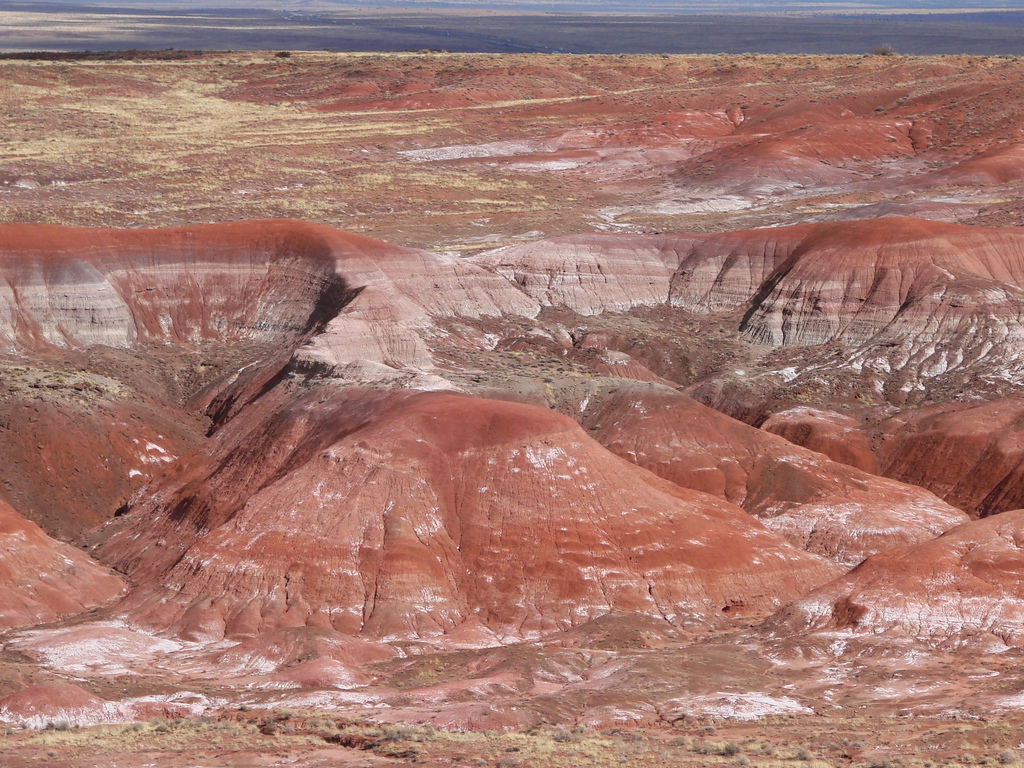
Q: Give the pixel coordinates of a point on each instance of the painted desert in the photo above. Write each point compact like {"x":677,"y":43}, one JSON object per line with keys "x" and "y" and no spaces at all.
{"x":511,"y":410}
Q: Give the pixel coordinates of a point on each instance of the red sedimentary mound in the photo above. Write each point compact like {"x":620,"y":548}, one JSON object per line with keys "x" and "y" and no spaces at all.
{"x":75,"y":446}
{"x":406,"y":514}
{"x":257,"y":280}
{"x":591,"y":274}
{"x":67,"y":286}
{"x":57,"y":703}
{"x":810,"y":284}
{"x":303,"y":657}
{"x":285,"y":648}
{"x":1001,"y":165}
{"x":916,"y":306}
{"x":265,"y":287}
{"x":42,"y":579}
{"x":828,"y":508}
{"x":66,"y":704}
{"x":912,"y":301}
{"x":970,"y":455}
{"x":963,"y":586}
{"x":805,"y":149}
{"x":841,"y":438}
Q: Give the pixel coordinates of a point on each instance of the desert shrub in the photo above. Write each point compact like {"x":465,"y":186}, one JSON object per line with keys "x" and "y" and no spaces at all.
{"x":400,"y":751}
{"x":714,"y":748}
{"x":883,"y":50}
{"x":730,"y":749}
{"x":283,"y":54}
{"x":1007,"y":757}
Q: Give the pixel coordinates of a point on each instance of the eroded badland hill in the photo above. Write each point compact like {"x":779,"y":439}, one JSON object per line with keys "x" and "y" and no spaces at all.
{"x":511,"y":410}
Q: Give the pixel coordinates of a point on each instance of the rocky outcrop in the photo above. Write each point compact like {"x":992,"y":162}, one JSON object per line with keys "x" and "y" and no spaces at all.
{"x":41,"y":579}
{"x":397,"y":515}
{"x":962,"y":588}
{"x":825,"y":507}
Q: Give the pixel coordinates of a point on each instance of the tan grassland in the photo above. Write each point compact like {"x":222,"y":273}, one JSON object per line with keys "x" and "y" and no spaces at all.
{"x":323,"y":136}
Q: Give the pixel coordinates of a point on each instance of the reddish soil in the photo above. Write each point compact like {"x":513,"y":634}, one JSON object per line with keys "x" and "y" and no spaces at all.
{"x":820,"y":505}
{"x":673,"y":405}
{"x":43,"y":579}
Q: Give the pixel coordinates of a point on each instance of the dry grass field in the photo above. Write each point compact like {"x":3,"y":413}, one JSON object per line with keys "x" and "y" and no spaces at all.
{"x":287,"y":738}
{"x":465,"y":151}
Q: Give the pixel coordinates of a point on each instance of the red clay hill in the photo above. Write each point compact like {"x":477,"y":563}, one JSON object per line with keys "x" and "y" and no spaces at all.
{"x":410,"y":514}
{"x":961,"y":588}
{"x":820,"y":505}
{"x":970,"y":454}
{"x":345,"y":455}
{"x":41,"y":579}
{"x":110,"y":332}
